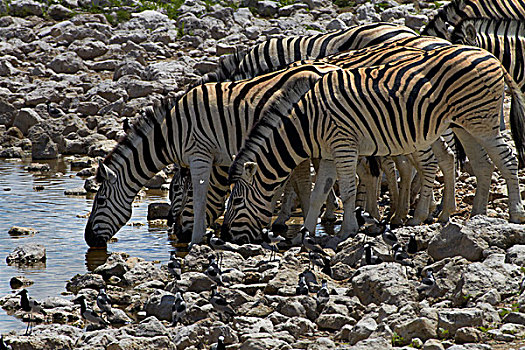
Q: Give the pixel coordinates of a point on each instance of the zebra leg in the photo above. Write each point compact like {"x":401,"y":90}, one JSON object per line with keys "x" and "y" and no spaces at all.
{"x":326,"y":176}
{"x":200,"y":170}
{"x":482,"y":168}
{"x":360,"y":198}
{"x":287,"y":202}
{"x":330,"y":207}
{"x":331,"y":204}
{"x":426,"y":165}
{"x":445,"y":158}
{"x":505,"y":160}
{"x":405,"y":174}
{"x":303,"y":185}
{"x":346,"y":163}
{"x":389,"y":168}
{"x":369,"y":184}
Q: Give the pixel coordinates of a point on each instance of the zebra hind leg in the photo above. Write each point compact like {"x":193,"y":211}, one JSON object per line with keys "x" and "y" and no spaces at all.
{"x":426,"y":165}
{"x":482,"y":167}
{"x":507,"y":163}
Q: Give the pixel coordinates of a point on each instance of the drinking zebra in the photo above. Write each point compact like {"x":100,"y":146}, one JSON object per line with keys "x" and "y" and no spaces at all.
{"x":205,"y":128}
{"x":386,"y":110}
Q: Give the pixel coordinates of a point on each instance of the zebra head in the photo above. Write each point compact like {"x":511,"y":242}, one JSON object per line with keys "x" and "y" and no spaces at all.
{"x":111,"y":209}
{"x":248,"y":210}
{"x":180,"y":217}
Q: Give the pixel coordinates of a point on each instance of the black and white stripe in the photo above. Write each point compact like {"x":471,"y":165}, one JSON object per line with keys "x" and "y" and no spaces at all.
{"x":449,"y":16}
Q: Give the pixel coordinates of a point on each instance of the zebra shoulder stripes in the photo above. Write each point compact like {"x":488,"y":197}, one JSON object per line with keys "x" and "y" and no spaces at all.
{"x":386,"y":110}
{"x":205,"y":127}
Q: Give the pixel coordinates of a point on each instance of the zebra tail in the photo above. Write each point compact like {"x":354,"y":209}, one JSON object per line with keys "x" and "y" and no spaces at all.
{"x":517,"y":118}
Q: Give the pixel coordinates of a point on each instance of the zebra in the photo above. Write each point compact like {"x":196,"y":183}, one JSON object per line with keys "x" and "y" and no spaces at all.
{"x":277,"y":53}
{"x":504,"y":38}
{"x":205,"y":127}
{"x":384,"y":110}
{"x":448,"y":17}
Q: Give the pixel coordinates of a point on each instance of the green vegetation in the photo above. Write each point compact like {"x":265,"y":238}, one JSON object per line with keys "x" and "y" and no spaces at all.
{"x":397,"y":340}
{"x":443,"y":333}
{"x":436,"y":5}
{"x":381,"y":6}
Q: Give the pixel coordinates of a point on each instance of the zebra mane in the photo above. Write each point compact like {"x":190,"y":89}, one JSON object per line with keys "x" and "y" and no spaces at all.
{"x":151,"y":116}
{"x":277,"y":111}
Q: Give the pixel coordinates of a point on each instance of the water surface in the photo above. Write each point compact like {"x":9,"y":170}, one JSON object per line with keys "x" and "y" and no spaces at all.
{"x":60,"y":221}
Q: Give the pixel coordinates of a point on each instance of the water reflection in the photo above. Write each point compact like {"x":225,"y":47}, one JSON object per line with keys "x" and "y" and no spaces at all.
{"x":96,"y":257}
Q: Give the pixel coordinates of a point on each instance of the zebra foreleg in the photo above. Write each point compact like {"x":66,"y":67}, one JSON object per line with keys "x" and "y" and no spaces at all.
{"x":445,"y":158}
{"x":326,"y":176}
{"x":482,"y":167}
{"x":200,"y":170}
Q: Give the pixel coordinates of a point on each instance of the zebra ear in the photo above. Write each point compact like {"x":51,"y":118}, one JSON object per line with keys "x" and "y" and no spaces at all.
{"x":105,"y":173}
{"x":249,"y":170}
{"x":470,"y":33}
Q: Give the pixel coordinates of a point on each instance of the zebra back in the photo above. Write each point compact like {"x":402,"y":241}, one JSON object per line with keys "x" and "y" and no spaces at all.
{"x":458,"y":10}
{"x":275,"y":54}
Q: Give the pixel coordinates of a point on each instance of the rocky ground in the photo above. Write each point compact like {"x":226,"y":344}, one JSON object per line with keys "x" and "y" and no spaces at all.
{"x":71,"y":73}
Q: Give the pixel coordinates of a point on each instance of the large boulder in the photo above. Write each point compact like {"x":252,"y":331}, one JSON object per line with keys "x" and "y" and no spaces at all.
{"x":457,"y":240}
{"x":383,"y":283}
{"x":504,"y":278}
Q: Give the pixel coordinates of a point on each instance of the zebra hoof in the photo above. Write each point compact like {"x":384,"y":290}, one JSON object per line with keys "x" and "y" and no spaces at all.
{"x":279,"y":228}
{"x":517,"y":218}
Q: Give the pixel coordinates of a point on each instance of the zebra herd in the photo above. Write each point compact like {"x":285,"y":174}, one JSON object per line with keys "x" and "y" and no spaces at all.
{"x":375,"y":95}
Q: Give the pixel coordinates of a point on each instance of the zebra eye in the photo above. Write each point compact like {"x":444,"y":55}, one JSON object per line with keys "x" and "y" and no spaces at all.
{"x":237,"y":201}
{"x":101,"y":200}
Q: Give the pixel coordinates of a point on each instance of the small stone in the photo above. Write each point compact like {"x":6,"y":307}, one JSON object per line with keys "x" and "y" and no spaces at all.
{"x":468,"y":335}
{"x":27,"y":254}
{"x":19,"y":282}
{"x":78,"y":191}
{"x":433,"y":344}
{"x":22,"y":231}
{"x":158,"y":211}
